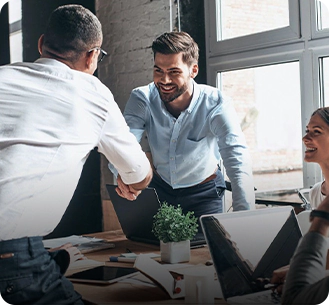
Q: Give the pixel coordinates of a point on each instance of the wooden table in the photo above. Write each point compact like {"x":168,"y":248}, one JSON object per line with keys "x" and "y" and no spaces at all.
{"x":128,"y":293}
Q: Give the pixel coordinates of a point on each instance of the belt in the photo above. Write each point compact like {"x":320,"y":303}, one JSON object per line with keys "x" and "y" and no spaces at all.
{"x":211,"y":177}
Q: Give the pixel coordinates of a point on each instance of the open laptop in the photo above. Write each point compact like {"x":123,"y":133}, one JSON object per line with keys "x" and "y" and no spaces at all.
{"x":249,"y":245}
{"x":136,"y":217}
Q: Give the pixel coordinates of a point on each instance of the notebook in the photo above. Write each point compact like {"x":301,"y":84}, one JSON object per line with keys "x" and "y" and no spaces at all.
{"x":248,"y":245}
{"x":136,"y":217}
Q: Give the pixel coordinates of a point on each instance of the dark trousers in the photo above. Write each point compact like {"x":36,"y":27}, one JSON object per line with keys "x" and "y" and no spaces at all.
{"x":204,"y":198}
{"x":29,"y":274}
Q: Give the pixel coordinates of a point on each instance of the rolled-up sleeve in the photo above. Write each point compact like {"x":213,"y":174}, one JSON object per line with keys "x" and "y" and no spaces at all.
{"x":235,"y":155}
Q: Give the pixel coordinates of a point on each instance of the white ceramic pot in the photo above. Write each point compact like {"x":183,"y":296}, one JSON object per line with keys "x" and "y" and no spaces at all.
{"x":175,"y":252}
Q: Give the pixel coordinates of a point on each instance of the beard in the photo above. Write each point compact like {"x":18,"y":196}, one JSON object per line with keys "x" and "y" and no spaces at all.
{"x":169,"y":97}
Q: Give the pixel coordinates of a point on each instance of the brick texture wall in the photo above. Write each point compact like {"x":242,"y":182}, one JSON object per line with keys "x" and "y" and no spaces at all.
{"x":129,"y":27}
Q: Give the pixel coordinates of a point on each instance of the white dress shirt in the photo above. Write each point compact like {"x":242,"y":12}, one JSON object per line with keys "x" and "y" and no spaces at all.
{"x":316,"y":197}
{"x":51,"y":117}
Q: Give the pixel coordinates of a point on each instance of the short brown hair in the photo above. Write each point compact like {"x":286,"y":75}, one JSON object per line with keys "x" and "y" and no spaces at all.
{"x":177,"y":42}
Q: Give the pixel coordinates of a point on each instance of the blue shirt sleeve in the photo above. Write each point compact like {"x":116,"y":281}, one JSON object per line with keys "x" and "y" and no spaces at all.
{"x":234,"y":153}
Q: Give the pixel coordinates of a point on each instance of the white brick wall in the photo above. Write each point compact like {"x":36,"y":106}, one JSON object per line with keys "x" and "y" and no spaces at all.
{"x":129,"y":27}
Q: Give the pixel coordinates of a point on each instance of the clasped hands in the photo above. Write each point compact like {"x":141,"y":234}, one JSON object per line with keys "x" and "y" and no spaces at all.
{"x":126,"y":191}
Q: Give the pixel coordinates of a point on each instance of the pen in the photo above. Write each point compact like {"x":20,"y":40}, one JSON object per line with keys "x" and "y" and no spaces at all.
{"x":122,"y":259}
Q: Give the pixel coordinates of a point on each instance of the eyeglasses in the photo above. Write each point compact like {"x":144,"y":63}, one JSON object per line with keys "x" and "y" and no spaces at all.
{"x":101,"y":55}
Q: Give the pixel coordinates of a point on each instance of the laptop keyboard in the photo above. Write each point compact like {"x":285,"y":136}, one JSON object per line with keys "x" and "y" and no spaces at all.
{"x":198,"y":240}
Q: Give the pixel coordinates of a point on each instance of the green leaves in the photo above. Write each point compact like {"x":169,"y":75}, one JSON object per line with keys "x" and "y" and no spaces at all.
{"x":171,"y":225}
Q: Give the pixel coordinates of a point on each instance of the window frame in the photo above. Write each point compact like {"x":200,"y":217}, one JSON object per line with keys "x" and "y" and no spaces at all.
{"x":15,"y":30}
{"x":314,"y":30}
{"x":252,"y":41}
{"x":300,"y":41}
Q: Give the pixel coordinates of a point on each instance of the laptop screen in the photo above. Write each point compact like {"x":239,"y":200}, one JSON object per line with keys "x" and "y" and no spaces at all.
{"x":136,"y":217}
{"x":250,"y":244}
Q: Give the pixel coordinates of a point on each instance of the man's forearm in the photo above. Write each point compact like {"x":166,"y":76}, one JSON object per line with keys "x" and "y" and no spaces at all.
{"x":320,"y":225}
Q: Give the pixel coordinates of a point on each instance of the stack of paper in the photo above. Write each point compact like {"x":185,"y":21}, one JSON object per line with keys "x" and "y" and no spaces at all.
{"x":83,"y":243}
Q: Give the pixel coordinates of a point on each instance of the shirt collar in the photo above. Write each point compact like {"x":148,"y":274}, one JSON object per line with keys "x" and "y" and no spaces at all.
{"x":195,"y":96}
{"x":51,"y":62}
{"x":194,"y":101}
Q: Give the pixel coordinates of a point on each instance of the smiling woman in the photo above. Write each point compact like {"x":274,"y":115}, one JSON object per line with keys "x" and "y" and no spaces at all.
{"x":316,"y":141}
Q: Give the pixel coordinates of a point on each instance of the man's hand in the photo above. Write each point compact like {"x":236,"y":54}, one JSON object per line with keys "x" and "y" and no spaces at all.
{"x":279,"y":277}
{"x":126,"y":191}
{"x":74,"y":252}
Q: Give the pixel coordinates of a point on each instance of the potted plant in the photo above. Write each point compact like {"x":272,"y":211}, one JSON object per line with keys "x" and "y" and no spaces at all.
{"x":174,"y":230}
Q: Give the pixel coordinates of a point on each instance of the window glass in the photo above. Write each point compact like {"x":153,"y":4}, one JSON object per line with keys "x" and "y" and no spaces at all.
{"x":15,"y":10}
{"x":15,"y":36}
{"x":267,"y":100}
{"x":322,"y":14}
{"x":16,"y":47}
{"x":243,"y":17}
{"x":324,"y":63}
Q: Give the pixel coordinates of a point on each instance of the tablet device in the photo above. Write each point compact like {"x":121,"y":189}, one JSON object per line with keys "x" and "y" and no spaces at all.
{"x":103,"y":275}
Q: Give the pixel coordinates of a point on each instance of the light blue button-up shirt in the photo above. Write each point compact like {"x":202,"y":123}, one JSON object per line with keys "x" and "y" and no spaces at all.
{"x":186,"y":150}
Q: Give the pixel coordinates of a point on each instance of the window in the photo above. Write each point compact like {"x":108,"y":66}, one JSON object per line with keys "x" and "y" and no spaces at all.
{"x":15,"y":28}
{"x":270,"y":124}
{"x":322,"y":14}
{"x":226,"y":35}
{"x":275,"y":69}
{"x":324,"y":64}
{"x":240,"y":18}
